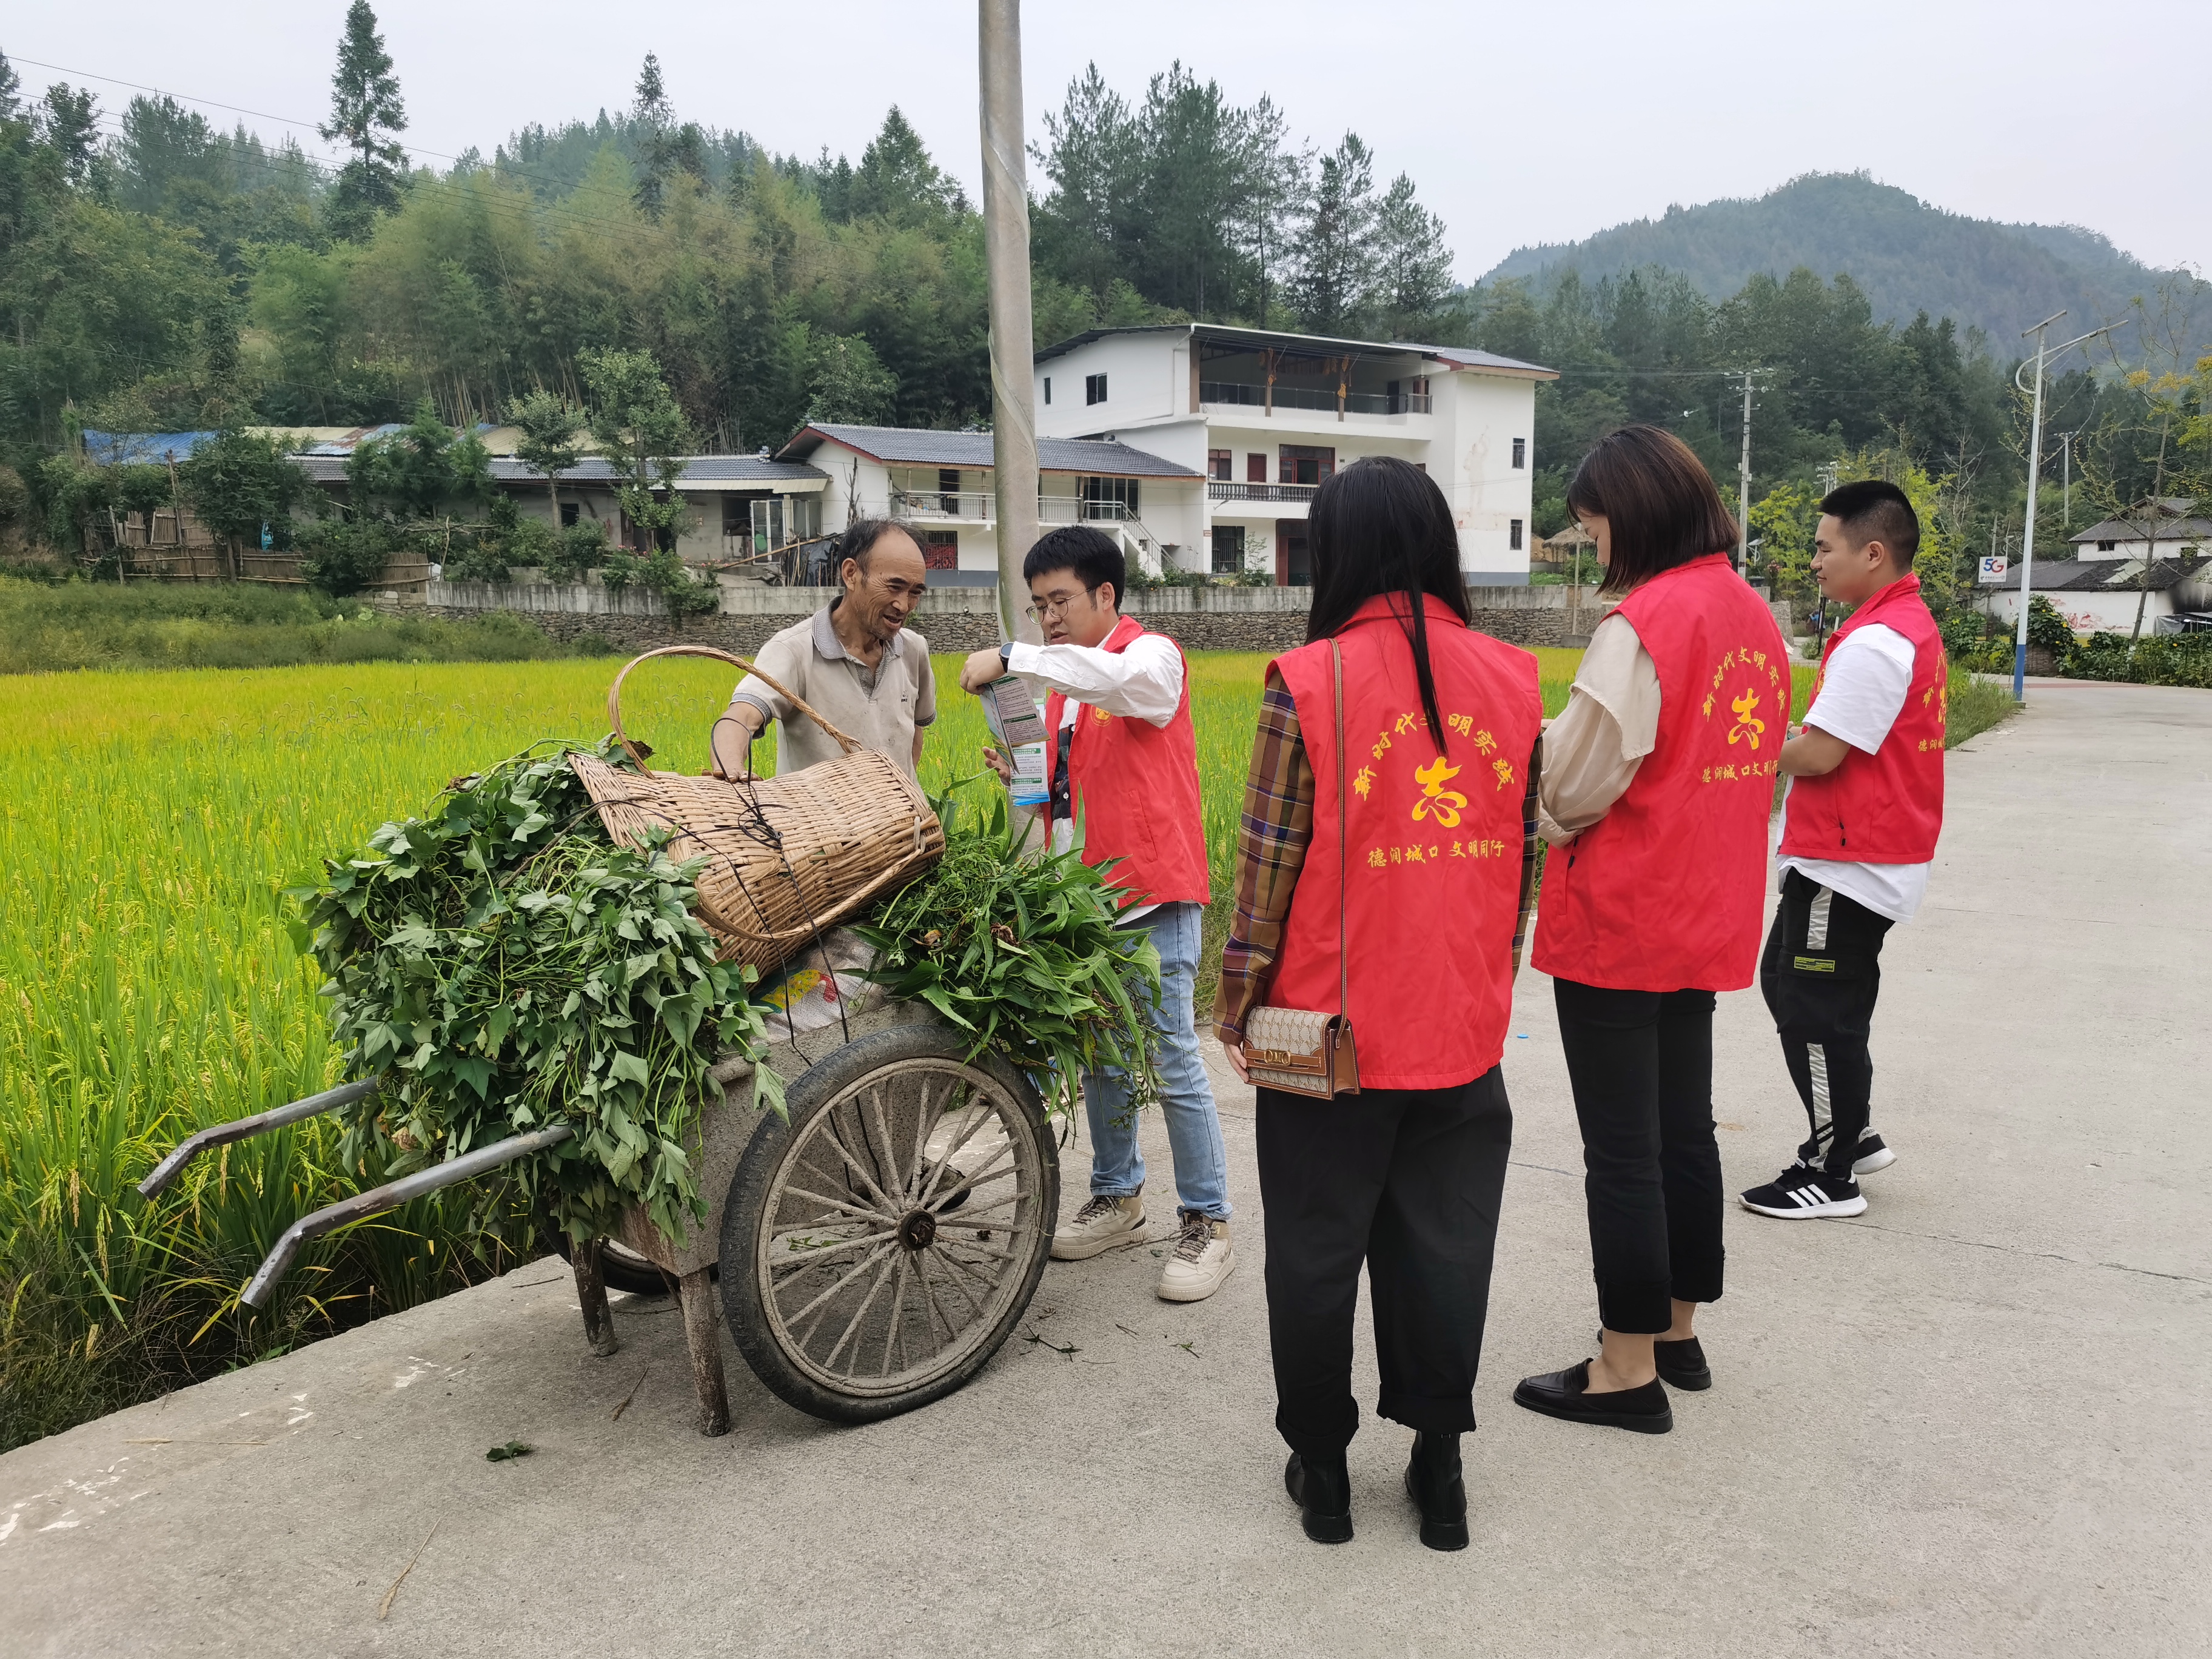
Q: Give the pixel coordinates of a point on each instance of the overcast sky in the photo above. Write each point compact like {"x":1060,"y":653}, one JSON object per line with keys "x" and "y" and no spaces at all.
{"x":1518,"y":124}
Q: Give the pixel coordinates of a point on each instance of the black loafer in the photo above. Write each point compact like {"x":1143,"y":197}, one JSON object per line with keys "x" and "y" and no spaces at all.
{"x":1681,"y":1365}
{"x":1322,"y":1488}
{"x":1566,"y":1394}
{"x":1434,"y":1482}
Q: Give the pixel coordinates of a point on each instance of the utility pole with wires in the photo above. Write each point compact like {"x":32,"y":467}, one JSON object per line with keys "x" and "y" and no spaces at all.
{"x":2035,"y":470}
{"x":1743,"y":486}
{"x":1006,"y":263}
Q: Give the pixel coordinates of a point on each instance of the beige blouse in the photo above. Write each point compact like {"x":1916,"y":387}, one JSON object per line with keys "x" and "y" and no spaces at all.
{"x":1591,"y":751}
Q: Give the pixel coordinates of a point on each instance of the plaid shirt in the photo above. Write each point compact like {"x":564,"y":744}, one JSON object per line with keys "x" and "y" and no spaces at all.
{"x":1271,"y":838}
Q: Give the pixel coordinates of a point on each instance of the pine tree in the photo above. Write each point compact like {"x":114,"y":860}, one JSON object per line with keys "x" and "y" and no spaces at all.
{"x":651,"y":118}
{"x":11,"y":88}
{"x":365,"y":111}
{"x":1413,"y":265}
{"x":896,"y":180}
{"x":1337,"y":274}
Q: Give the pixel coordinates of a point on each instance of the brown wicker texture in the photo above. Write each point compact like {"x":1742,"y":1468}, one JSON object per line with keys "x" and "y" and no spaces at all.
{"x":789,"y":855}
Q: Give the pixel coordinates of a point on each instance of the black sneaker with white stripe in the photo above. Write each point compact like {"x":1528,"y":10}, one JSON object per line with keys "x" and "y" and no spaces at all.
{"x":1801,"y":1193}
{"x":1874,"y":1153}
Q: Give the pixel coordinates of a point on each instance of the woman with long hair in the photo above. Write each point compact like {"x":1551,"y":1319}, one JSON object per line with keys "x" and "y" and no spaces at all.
{"x":1383,"y":863}
{"x":1657,"y":781}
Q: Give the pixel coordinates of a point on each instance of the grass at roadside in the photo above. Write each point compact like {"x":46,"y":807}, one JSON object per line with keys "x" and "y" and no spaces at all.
{"x":1972,"y":704}
{"x":77,"y":625}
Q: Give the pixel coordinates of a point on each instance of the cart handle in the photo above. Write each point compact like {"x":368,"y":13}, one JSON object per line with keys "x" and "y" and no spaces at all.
{"x":241,"y":1128}
{"x":391,"y":1195}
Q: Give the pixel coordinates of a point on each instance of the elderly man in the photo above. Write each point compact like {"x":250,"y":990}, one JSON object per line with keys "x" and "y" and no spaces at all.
{"x":854,"y":662}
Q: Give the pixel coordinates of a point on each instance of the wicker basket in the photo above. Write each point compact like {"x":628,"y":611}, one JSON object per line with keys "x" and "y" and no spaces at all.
{"x":789,"y":855}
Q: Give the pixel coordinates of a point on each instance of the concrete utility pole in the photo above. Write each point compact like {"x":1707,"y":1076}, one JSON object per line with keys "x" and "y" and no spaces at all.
{"x":1006,"y":261}
{"x":1743,"y":487}
{"x":2034,"y":469}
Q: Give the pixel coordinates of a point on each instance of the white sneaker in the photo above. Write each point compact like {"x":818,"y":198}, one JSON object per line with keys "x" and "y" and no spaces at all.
{"x":1201,"y":1258}
{"x":1101,"y":1224}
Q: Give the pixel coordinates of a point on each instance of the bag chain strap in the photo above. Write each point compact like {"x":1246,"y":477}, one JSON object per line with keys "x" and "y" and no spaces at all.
{"x":1343,"y":968}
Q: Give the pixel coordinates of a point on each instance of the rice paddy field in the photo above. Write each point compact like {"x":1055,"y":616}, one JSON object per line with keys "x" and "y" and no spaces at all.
{"x":149,"y":824}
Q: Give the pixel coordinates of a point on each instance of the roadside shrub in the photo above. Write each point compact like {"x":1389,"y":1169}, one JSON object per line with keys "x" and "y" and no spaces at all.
{"x":579,"y":547}
{"x":663,"y":573}
{"x":344,"y":555}
{"x":2155,"y":659}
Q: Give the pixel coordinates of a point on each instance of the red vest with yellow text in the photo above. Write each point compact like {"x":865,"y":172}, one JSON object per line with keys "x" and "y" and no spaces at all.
{"x":1667,"y":890}
{"x":1134,"y":788}
{"x":1886,"y":807}
{"x":1430,"y":853}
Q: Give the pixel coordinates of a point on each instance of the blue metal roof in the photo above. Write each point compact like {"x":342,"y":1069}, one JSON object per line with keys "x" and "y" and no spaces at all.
{"x":142,"y":449}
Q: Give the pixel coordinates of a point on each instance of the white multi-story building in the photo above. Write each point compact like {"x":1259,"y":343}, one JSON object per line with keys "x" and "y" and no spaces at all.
{"x":940,"y":483}
{"x":1266,"y":416}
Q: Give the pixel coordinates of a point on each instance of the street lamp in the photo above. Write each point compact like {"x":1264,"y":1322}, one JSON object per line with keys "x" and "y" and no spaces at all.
{"x":2035,"y":467}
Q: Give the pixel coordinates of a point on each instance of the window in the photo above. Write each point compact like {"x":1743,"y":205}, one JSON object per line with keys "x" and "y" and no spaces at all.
{"x":2107,"y":547}
{"x":1047,"y":388}
{"x":1094,"y":388}
{"x":569,"y":510}
{"x":1107,"y":498}
{"x":948,"y":484}
{"x":1217,"y":464}
{"x":1255,"y":469}
{"x":1513,"y":531}
{"x":806,"y":512}
{"x":1520,"y":451}
{"x":1305,"y":464}
{"x":942,"y":550}
{"x":737,"y":515}
{"x":1228,"y":549}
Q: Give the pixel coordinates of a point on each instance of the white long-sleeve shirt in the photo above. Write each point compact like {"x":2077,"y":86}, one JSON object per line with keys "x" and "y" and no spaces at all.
{"x":1143,"y":681}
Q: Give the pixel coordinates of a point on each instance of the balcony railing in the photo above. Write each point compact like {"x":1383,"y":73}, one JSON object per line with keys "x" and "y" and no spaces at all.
{"x":980,"y":506}
{"x":1224,"y":490}
{"x":1293,"y":397}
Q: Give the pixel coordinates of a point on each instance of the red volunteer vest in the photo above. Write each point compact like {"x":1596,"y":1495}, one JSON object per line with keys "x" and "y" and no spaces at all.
{"x":1667,"y":890}
{"x":1886,"y":807}
{"x":1430,"y":859}
{"x":1134,"y":788}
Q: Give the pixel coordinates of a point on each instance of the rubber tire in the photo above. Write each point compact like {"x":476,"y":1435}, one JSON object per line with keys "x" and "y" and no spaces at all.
{"x":620,"y":1267}
{"x":746,"y":1211}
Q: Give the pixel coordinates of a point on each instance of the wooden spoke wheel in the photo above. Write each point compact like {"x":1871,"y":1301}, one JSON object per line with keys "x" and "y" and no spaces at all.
{"x":880,"y":1245}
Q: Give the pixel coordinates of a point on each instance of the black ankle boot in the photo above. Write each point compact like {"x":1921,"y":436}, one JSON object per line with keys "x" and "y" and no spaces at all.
{"x":1322,"y":1488}
{"x":1434,"y":1482}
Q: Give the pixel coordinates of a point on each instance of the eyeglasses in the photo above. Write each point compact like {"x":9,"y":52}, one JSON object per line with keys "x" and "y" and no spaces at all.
{"x":1053,"y":608}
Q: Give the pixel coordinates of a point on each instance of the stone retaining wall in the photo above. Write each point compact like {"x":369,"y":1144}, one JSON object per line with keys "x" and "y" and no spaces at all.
{"x":965,"y":619}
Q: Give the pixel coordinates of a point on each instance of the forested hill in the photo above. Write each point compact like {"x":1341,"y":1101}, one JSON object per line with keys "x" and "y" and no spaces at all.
{"x":1907,"y":256}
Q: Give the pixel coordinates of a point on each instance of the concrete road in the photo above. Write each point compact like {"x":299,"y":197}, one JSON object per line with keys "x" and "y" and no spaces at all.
{"x":1971,"y":1422}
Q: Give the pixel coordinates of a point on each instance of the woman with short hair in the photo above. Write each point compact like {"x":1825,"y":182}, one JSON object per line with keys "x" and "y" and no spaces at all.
{"x":1383,"y":863}
{"x":1658,"y":781}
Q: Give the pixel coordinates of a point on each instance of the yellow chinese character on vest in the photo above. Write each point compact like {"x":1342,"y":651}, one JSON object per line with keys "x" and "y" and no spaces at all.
{"x":1444,"y":805}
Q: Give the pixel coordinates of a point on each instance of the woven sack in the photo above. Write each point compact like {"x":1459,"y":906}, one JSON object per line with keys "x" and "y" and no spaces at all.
{"x":789,"y":855}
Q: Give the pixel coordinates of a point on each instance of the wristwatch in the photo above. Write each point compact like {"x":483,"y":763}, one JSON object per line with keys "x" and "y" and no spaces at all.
{"x":1006,"y":655}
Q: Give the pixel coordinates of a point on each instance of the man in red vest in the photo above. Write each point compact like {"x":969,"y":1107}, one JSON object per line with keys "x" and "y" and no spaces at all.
{"x":1859,"y":828}
{"x":1124,"y":778}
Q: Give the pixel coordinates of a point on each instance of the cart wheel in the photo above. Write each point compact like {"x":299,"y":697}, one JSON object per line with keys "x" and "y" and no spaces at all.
{"x":620,"y":1267}
{"x":879,"y":1246}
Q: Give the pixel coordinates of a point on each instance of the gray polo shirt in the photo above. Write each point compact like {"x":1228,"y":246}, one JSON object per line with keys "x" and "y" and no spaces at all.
{"x":882,"y":707}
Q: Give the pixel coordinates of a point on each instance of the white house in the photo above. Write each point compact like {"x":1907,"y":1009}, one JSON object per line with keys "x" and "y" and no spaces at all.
{"x":2163,"y":545}
{"x":2168,"y":528}
{"x":1266,"y":416}
{"x":941,"y":482}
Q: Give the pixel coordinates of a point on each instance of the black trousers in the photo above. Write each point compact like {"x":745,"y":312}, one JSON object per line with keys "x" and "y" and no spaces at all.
{"x":1641,"y":1064}
{"x":1821,"y":972}
{"x":1408,"y":1180}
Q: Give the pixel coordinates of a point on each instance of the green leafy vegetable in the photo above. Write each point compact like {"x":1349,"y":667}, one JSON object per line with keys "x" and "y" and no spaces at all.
{"x":1021,"y":950}
{"x":511,"y":968}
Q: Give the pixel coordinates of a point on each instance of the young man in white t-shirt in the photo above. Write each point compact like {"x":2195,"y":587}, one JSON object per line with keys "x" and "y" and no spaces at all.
{"x":1859,"y":829}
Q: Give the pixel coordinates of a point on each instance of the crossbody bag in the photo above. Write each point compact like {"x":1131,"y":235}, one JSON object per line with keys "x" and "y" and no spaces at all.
{"x":1304,"y":1051}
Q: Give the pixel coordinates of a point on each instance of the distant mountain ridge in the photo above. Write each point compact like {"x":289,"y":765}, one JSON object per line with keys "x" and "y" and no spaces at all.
{"x":1908,"y":256}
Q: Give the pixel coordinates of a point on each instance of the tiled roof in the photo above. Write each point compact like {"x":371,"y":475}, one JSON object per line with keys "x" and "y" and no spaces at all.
{"x":900,"y":445}
{"x":705,"y":471}
{"x":2104,"y":575}
{"x":141,"y":448}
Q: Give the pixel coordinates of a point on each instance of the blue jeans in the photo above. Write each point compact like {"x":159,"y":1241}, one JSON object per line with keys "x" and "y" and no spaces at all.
{"x":1201,"y":1162}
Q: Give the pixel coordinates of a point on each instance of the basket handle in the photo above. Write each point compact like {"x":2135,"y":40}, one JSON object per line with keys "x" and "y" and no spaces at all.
{"x":614,"y":695}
